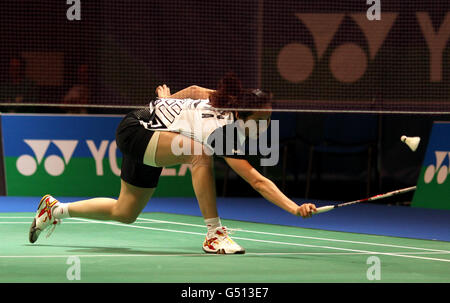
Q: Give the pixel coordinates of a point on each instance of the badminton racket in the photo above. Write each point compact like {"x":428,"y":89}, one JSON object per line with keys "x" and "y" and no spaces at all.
{"x":377,"y":197}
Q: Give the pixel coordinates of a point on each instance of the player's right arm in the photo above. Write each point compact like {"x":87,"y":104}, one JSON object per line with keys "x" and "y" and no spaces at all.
{"x":268,"y":189}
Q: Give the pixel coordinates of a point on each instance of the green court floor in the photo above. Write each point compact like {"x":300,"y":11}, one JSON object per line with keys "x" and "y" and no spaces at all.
{"x":162,"y":247}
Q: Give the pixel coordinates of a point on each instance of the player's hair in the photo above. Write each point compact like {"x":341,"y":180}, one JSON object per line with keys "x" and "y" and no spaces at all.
{"x":231,"y":95}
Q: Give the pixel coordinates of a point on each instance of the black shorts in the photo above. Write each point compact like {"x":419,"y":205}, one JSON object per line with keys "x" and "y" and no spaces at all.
{"x":132,"y":139}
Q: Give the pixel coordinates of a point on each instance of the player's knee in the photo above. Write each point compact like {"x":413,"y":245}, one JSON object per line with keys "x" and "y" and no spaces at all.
{"x":123,"y":217}
{"x":126,"y":219}
{"x":201,"y":160}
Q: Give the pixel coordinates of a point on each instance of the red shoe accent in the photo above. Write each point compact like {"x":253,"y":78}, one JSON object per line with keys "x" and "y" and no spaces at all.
{"x":42,"y":212}
{"x":47,"y":208}
{"x":209,"y":241}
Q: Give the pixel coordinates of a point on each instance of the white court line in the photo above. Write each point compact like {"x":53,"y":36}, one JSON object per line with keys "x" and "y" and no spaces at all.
{"x":348,"y":253}
{"x":65,"y":222}
{"x":205,"y":255}
{"x":275,"y":242}
{"x":305,"y":237}
{"x":16,"y":217}
{"x":250,"y":231}
{"x":112,"y":255}
{"x":142,"y":227}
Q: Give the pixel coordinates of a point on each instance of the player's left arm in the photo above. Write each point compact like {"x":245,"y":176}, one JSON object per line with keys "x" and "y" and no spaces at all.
{"x":191,"y":92}
{"x":268,"y":189}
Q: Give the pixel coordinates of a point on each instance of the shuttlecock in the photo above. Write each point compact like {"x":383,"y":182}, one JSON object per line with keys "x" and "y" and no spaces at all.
{"x":412,"y":142}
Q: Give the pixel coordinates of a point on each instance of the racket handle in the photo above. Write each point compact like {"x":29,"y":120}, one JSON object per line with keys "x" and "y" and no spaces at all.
{"x":323,"y":209}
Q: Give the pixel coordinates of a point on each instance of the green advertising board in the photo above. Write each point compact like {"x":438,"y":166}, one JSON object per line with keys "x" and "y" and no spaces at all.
{"x":72,"y":156}
{"x":433,"y":186}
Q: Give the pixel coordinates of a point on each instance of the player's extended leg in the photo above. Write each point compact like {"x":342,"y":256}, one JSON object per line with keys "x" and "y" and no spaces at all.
{"x":125,"y":209}
{"x":138,"y":182}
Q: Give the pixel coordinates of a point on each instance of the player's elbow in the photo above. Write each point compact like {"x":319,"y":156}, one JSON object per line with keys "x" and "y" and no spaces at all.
{"x":260,"y":184}
{"x":197,"y":92}
{"x":194,"y":90}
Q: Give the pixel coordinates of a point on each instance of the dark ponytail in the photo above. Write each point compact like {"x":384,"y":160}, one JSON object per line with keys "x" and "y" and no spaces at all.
{"x":230,"y":94}
{"x":227,"y":92}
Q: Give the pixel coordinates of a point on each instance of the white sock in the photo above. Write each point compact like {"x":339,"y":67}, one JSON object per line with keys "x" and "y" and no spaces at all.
{"x":212,"y":224}
{"x":61,"y":211}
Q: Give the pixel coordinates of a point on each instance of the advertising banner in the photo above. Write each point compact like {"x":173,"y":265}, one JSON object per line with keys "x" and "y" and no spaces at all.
{"x":68,"y":155}
{"x":333,"y":55}
{"x":433,"y":186}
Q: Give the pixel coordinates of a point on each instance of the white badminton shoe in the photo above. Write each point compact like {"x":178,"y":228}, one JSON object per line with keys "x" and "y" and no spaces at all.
{"x":44,"y":218}
{"x":219,"y":242}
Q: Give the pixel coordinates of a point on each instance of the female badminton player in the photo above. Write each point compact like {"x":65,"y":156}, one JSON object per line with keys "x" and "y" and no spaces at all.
{"x":145,"y":137}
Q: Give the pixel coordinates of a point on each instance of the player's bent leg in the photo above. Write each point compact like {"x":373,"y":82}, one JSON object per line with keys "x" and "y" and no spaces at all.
{"x":165,"y":151}
{"x":218,"y":241}
{"x":204,"y":185}
{"x":201,"y":166}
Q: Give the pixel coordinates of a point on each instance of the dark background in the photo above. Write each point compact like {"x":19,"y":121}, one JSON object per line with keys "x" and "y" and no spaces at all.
{"x":121,"y":50}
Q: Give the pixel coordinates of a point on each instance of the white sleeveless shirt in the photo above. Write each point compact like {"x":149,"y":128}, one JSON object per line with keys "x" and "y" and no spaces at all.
{"x":195,"y":119}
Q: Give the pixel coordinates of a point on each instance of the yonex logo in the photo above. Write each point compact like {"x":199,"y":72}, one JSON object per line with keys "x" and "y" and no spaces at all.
{"x":348,"y":62}
{"x":54,"y":165}
{"x":439,"y":170}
